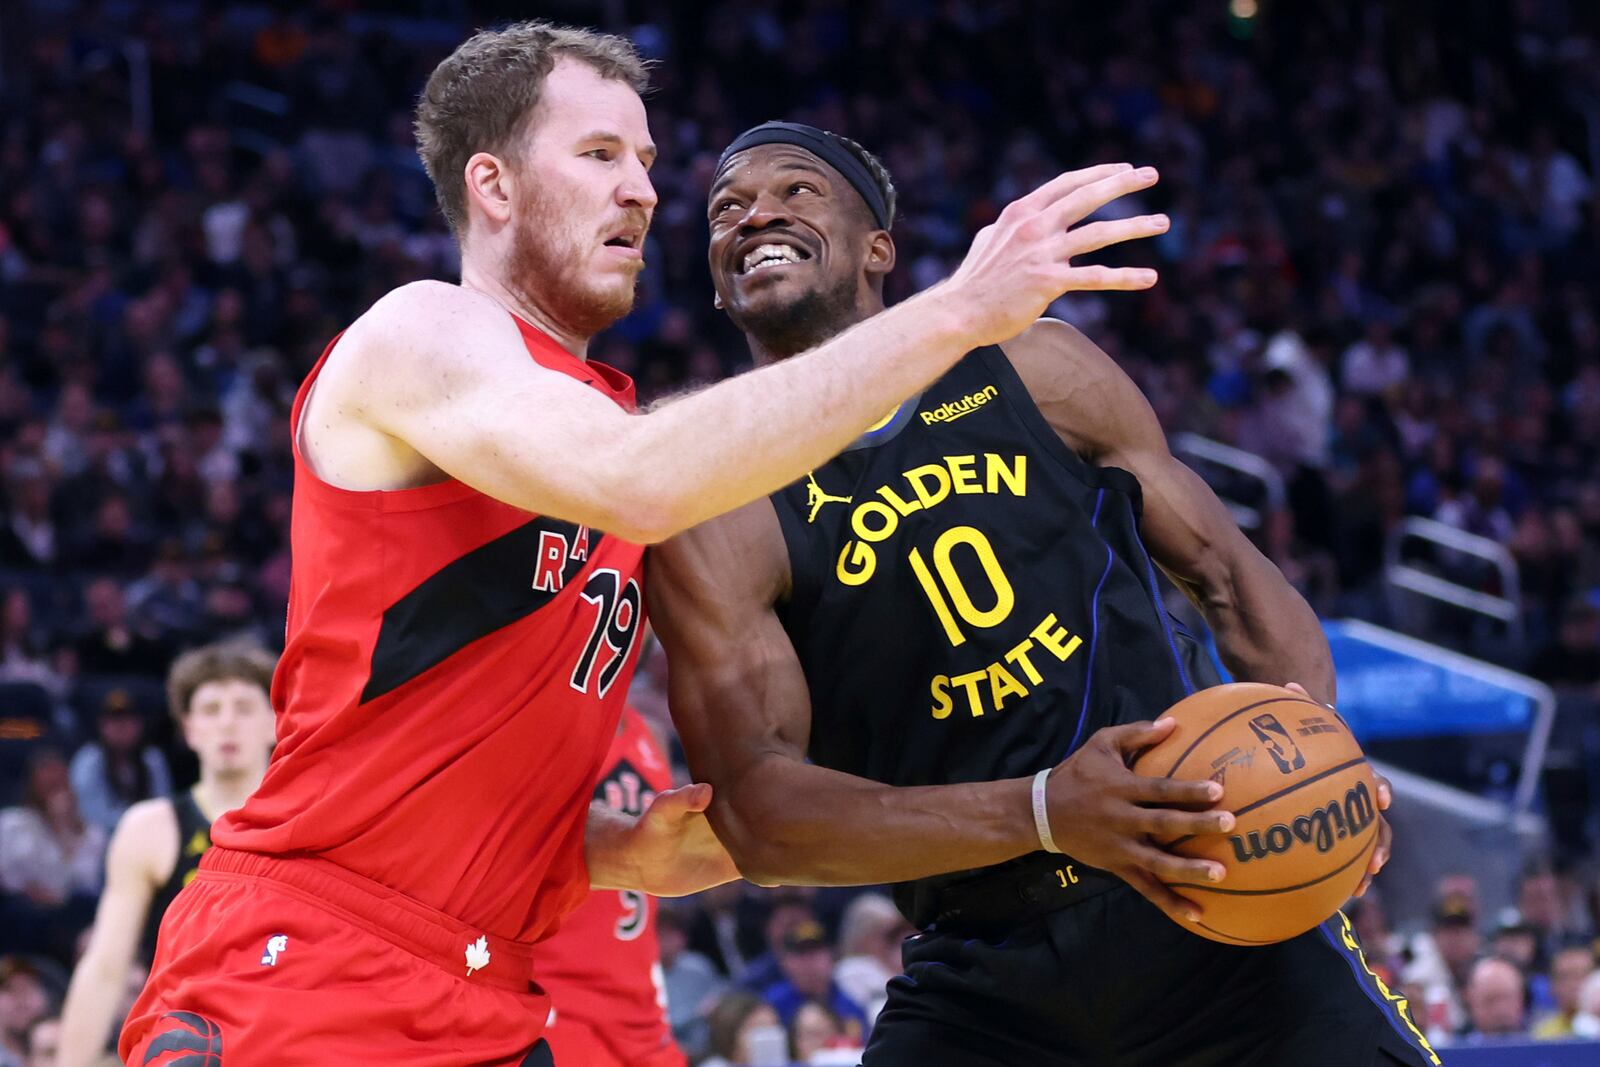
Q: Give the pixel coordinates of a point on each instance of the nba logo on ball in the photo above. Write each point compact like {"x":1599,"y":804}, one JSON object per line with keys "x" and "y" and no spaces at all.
{"x":1270,"y":732}
{"x":1306,"y":821}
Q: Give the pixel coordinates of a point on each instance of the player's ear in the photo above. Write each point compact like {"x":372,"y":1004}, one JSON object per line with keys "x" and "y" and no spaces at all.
{"x":716,"y":301}
{"x":880,"y":253}
{"x":490,"y":184}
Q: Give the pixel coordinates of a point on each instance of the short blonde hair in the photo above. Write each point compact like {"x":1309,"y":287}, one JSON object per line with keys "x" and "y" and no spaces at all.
{"x":481,"y":98}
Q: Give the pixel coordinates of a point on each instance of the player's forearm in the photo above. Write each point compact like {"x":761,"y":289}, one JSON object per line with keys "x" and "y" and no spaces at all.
{"x":87,"y":1015}
{"x":1266,"y":632}
{"x":748,"y":436}
{"x":788,"y":822}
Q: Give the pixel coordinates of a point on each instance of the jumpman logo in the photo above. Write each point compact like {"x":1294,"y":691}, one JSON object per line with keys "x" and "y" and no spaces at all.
{"x":815,"y":498}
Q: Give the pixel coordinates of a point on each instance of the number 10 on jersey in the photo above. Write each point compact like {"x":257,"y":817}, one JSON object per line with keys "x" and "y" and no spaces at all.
{"x":946,"y":589}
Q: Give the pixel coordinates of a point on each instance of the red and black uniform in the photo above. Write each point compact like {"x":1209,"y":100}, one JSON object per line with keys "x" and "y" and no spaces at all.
{"x":603,"y":969}
{"x":453,"y":674}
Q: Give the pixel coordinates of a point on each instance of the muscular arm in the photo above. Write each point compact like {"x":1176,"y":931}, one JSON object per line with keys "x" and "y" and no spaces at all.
{"x":436,"y":378}
{"x":739,"y":700}
{"x":142,"y":853}
{"x":442,"y":371}
{"x":1265,"y":631}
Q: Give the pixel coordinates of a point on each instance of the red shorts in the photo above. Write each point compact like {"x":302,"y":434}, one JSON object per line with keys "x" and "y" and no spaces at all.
{"x":580,"y":1044}
{"x":264,"y":962}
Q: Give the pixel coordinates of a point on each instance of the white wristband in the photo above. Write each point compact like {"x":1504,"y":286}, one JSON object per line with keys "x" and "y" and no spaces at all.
{"x":1041,"y":813}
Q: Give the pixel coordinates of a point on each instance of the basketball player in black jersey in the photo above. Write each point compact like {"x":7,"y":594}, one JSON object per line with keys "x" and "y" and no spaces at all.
{"x":218,"y":694}
{"x":879,"y":668}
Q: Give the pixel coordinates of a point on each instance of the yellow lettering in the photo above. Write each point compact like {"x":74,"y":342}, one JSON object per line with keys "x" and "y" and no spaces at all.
{"x":971,"y":680}
{"x":962,"y":477}
{"x":1052,"y":636}
{"x":1004,"y":598}
{"x":858,"y":521}
{"x":1018,"y":657}
{"x":857,"y":563}
{"x":1003,"y":685}
{"x":940,"y":479}
{"x":1016,"y":479}
{"x":903,"y":506}
{"x":940,"y":607}
{"x":941,"y":696}
{"x":1068,"y":878}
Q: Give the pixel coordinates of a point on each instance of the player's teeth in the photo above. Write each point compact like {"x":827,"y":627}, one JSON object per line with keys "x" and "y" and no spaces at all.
{"x":767,"y":255}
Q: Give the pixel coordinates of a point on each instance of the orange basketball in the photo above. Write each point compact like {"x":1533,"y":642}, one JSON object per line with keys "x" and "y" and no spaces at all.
{"x":1304,"y":797}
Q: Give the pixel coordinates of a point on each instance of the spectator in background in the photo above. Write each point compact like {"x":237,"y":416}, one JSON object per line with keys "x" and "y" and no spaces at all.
{"x":44,"y":1041}
{"x":745,"y":1032}
{"x":24,"y":1000}
{"x":117,"y":769}
{"x":870,"y":936}
{"x":1586,"y":1021}
{"x":787,"y":909}
{"x":1442,"y":962}
{"x":1568,"y":971}
{"x":111,"y":645}
{"x":1496,"y":1001}
{"x":1376,"y":364}
{"x":819,"y":1036}
{"x":1573,"y":658}
{"x":690,"y":979}
{"x":805,"y":958}
{"x":50,"y":861}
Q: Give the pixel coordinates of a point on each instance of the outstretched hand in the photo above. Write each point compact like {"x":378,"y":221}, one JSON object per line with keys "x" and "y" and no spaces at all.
{"x":1109,"y":817}
{"x":1022,"y":261}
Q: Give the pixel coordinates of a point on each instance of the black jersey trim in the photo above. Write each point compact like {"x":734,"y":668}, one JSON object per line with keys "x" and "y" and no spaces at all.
{"x":469,"y":598}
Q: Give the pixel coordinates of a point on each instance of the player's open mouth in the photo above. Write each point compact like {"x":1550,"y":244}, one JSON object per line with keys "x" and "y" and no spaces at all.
{"x":771,"y":254}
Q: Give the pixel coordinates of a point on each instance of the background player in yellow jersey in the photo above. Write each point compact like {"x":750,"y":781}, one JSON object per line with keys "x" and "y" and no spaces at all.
{"x":218,"y":694}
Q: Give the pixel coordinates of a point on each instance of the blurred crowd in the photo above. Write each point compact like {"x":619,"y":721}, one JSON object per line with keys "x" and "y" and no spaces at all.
{"x":1380,"y":277}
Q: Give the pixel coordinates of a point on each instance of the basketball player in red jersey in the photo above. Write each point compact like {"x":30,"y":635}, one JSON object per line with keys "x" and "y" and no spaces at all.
{"x":471,"y":501}
{"x":603,"y":968}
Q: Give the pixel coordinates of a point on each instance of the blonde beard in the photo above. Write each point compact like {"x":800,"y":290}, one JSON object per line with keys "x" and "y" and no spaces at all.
{"x":543,"y":271}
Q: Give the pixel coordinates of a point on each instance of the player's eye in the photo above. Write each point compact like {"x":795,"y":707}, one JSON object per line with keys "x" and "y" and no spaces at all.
{"x":722,"y":206}
{"x":602,"y":154}
{"x":801,"y":187}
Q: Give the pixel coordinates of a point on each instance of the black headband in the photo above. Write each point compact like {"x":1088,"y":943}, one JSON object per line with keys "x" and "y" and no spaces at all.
{"x":825,"y":147}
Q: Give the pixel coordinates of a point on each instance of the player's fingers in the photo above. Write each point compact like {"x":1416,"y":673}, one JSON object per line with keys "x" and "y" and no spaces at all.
{"x":1380,"y":854}
{"x":1106,"y":279}
{"x":1062,"y":184}
{"x":1098,"y":235}
{"x":1177,"y":870}
{"x":1132,"y":738}
{"x":1296,"y":687}
{"x":1175,"y":792}
{"x":1179,"y":909}
{"x":685,"y":800}
{"x":1087,"y":199}
{"x":1385,"y":792}
{"x":1167,"y":824}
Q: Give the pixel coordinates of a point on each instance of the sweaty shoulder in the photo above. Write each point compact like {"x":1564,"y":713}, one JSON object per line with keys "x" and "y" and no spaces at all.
{"x":738,"y":557}
{"x":1087,"y":399}
{"x":146,"y":840}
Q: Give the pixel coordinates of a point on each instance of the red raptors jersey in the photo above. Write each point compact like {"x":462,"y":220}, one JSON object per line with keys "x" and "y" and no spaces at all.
{"x":603,"y":968}
{"x":453,"y":674}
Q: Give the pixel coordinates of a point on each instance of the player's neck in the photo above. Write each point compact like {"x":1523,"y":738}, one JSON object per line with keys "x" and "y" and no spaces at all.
{"x":524,"y":308}
{"x":220,"y":791}
{"x":772,"y":349}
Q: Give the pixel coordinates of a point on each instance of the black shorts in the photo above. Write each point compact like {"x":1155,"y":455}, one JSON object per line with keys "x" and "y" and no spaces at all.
{"x":1112,"y":982}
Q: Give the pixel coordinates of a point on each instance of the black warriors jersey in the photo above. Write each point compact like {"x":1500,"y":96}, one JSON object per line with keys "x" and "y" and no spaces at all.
{"x":194,"y":838}
{"x":971,"y":600}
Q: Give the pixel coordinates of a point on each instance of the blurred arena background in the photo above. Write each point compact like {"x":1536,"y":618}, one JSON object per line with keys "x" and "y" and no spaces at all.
{"x":1377,"y":334}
